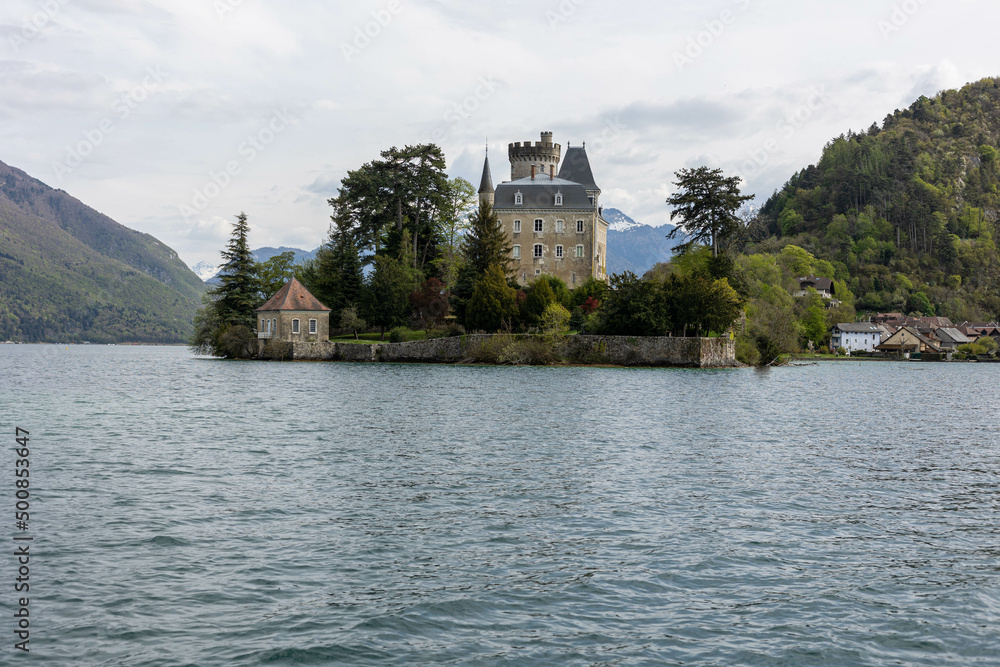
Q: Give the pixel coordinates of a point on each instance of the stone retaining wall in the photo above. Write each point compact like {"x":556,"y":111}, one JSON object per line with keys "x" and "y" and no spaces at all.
{"x":612,"y":350}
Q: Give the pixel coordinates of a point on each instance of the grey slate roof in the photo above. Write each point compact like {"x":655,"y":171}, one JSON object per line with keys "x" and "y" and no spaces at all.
{"x":576,"y":168}
{"x":486,"y":184}
{"x":540,"y":193}
{"x":859,"y":327}
{"x":954,"y":336}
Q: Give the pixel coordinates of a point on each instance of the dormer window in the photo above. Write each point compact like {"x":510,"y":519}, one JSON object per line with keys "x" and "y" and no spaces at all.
{"x":591,"y":200}
{"x":518,"y":199}
{"x":559,"y":199}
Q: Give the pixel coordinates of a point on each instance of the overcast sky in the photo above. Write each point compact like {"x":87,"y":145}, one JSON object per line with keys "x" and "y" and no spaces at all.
{"x":173,"y":116}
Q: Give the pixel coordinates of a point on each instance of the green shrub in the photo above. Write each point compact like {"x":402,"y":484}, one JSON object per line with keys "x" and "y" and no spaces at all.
{"x":397,"y":335}
{"x":746,"y":351}
{"x":555,"y":319}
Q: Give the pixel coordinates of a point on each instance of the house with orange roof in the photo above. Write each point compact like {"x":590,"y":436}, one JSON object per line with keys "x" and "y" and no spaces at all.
{"x":293,"y":315}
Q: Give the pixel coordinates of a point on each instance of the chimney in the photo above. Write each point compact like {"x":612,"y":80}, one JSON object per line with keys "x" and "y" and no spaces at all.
{"x":532,"y":172}
{"x":552,"y":172}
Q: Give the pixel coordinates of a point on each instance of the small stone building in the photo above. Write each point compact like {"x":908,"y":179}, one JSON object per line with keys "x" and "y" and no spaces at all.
{"x":293,"y":315}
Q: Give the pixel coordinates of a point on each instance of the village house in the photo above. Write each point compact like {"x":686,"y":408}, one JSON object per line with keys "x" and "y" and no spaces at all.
{"x":553,"y":220}
{"x":907,"y":342}
{"x":975,"y":330}
{"x":824,"y":286}
{"x":293,"y":315}
{"x":856,"y":336}
{"x":950,"y":338}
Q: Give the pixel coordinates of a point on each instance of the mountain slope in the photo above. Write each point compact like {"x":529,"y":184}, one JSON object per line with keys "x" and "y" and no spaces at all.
{"x":907,"y":212}
{"x":69,"y":273}
{"x":636,"y":247}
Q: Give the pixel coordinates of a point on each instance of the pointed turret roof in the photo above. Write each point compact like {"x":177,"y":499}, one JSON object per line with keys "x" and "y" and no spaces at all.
{"x":576,"y":168}
{"x":293,"y":296}
{"x":486,"y":184}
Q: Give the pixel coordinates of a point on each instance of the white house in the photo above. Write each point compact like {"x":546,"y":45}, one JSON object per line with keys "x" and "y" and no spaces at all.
{"x":856,"y":336}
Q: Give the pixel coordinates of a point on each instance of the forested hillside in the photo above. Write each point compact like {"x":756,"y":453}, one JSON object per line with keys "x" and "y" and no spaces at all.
{"x":905,"y":213}
{"x":69,"y":273}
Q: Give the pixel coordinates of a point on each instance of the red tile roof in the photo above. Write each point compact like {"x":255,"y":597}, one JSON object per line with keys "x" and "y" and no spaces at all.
{"x":293,"y":296}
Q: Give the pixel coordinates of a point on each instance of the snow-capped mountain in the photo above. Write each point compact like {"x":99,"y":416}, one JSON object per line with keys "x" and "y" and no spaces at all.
{"x":208,"y":272}
{"x":204,"y":270}
{"x":618,"y":221}
{"x":635,"y":247}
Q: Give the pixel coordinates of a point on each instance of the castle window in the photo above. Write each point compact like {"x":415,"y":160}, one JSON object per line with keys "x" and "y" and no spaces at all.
{"x":295,"y":326}
{"x":262,"y":325}
{"x":574,"y":278}
{"x":517,"y":252}
{"x":579,"y":251}
{"x":591,"y":200}
{"x":517,"y":226}
{"x":518,"y":199}
{"x":524,"y":277}
{"x":538,"y":250}
{"x":559,"y":251}
{"x":538,"y":272}
{"x":560,"y":226}
{"x":312,"y":326}
{"x":579,"y":226}
{"x":559,"y":199}
{"x":274,"y":325}
{"x":539,"y":226}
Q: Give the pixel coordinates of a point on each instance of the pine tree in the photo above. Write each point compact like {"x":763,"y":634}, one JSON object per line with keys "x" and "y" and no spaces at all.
{"x":335,"y":277}
{"x":225,"y":324}
{"x":706,"y":203}
{"x":486,"y":244}
{"x":238,"y":293}
{"x":493,"y":304}
{"x":387,"y":294}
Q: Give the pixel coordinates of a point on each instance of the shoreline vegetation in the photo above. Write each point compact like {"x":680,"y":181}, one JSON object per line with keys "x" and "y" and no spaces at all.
{"x":899,"y":218}
{"x":507,"y":349}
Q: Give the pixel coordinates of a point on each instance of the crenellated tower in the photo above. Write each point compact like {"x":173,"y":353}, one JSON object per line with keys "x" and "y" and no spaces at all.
{"x":543,"y":155}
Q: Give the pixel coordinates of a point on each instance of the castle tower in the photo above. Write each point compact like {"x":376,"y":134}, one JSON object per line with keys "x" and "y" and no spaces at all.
{"x":543,"y":156}
{"x":486,"y":191}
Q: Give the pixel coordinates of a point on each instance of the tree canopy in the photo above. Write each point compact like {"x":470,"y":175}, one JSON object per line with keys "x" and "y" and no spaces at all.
{"x":706,"y":204}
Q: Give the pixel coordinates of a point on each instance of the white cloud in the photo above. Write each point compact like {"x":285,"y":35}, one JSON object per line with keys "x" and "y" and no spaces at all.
{"x":599,"y":73}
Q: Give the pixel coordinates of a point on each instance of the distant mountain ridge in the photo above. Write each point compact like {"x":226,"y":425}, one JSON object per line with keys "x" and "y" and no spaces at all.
{"x":635,"y":247}
{"x":69,"y":273}
{"x":208,"y":272}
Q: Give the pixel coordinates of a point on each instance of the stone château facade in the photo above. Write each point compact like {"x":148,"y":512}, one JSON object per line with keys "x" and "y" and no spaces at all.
{"x":551,"y":218}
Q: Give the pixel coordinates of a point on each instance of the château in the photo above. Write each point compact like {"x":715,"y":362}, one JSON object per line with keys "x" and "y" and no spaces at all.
{"x":552,"y":214}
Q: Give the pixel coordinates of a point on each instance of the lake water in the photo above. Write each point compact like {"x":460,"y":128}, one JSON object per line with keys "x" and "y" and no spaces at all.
{"x":191,"y":511}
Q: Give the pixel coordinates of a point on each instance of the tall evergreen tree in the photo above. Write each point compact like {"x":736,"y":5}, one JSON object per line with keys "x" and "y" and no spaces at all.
{"x":706,"y":203}
{"x":387,"y":294}
{"x":493,"y":305}
{"x":225,"y":324}
{"x":335,"y":276}
{"x":486,"y":244}
{"x":406,"y":190}
{"x":238,"y":293}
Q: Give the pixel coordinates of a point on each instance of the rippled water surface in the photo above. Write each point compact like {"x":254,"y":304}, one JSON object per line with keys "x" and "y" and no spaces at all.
{"x":196,"y":512}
